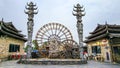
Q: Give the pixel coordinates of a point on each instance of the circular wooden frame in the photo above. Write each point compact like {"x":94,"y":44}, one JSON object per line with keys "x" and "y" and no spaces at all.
{"x":52,"y":31}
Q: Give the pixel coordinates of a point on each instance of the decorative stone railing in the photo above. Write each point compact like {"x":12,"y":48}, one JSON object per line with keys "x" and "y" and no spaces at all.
{"x":52,"y":61}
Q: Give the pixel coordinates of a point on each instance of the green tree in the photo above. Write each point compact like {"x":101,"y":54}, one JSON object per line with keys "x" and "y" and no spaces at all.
{"x":36,"y":47}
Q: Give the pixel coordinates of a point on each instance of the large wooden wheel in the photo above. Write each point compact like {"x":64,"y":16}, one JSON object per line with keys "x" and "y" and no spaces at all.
{"x":71,"y":48}
{"x":53,"y":32}
{"x":70,"y":43}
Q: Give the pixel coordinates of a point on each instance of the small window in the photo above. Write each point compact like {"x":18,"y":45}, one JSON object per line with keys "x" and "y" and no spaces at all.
{"x":96,"y":49}
{"x":14,"y":48}
{"x":116,"y":50}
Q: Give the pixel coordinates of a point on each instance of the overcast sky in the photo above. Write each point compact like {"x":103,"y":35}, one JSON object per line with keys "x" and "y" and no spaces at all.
{"x":60,"y":11}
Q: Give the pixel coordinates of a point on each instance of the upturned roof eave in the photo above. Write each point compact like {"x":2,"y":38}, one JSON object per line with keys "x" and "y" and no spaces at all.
{"x":96,"y":38}
{"x":12,"y":35}
{"x":4,"y":27}
{"x":97,"y":29}
{"x":94,"y":35}
{"x":6,"y":24}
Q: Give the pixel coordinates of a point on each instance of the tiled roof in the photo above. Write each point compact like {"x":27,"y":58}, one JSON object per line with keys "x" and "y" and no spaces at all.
{"x":103,"y":31}
{"x":7,"y":28}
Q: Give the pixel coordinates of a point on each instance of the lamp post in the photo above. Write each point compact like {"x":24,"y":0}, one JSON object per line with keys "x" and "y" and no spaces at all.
{"x":30,"y":11}
{"x":79,"y":13}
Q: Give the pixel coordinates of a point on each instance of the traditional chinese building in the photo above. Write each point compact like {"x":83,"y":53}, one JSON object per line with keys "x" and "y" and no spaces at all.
{"x":104,"y":42}
{"x":11,"y":40}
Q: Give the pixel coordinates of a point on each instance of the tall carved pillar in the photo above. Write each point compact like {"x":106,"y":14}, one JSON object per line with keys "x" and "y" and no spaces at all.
{"x":79,"y":13}
{"x":30,"y":12}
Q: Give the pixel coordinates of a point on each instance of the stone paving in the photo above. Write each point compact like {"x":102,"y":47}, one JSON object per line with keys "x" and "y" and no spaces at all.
{"x":91,"y":64}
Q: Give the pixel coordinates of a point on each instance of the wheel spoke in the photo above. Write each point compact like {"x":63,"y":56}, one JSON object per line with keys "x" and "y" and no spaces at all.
{"x":51,"y":29}
{"x":45,"y":34}
{"x":56,"y":29}
{"x":47,"y":30}
{"x":63,"y":38}
{"x":61,"y":35}
{"x":60,"y":30}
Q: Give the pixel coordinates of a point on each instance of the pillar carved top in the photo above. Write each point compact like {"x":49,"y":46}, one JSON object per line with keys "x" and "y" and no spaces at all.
{"x":31,"y":10}
{"x":78,"y":12}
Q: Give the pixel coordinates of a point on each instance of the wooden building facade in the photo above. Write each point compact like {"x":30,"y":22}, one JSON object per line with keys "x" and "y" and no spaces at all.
{"x":104,"y":42}
{"x":11,"y":40}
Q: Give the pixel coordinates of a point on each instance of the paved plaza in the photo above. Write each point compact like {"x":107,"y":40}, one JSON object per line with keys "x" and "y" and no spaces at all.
{"x":91,"y":64}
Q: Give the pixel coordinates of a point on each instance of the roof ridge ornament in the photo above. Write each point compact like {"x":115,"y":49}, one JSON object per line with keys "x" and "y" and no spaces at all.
{"x":106,"y":23}
{"x":2,"y":19}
